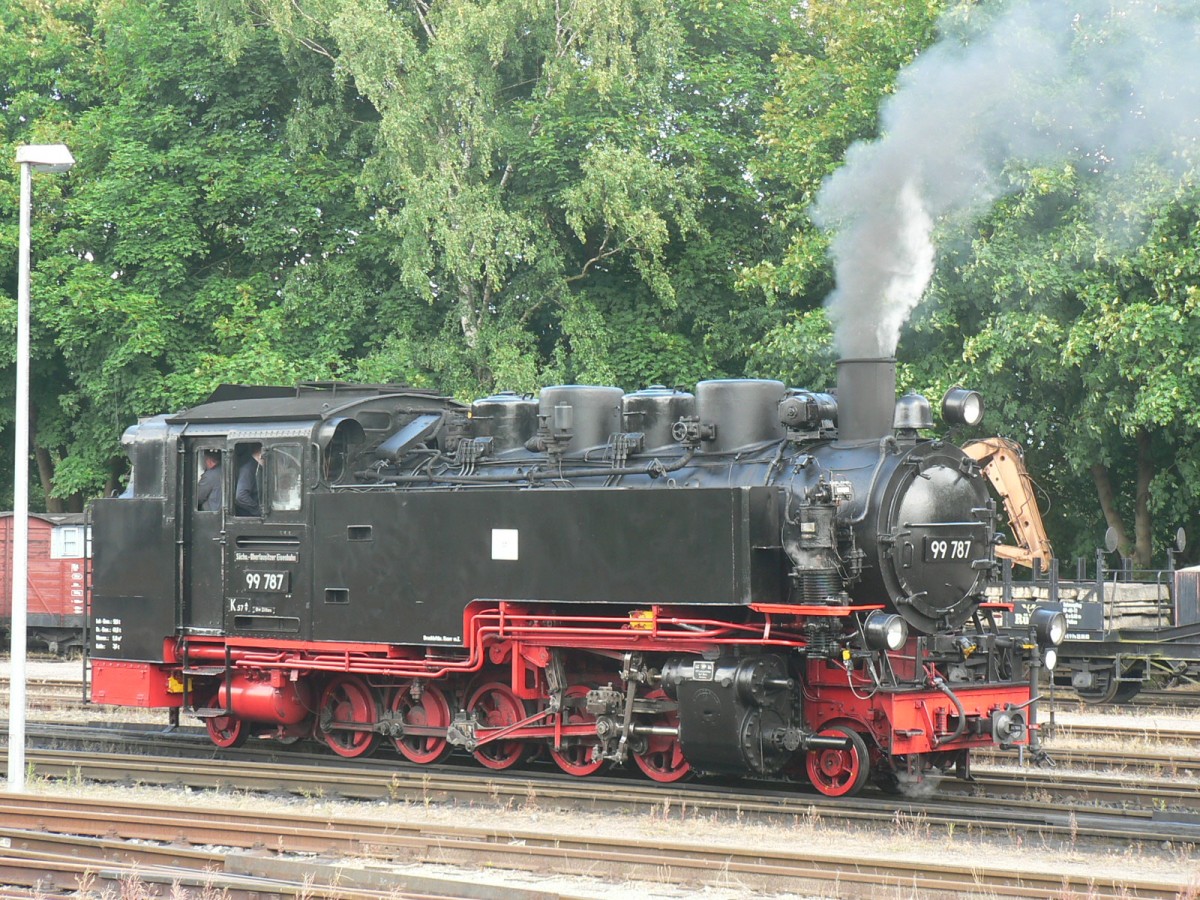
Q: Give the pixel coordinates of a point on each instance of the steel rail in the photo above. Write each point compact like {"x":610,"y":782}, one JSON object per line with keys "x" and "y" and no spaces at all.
{"x":621,"y":857}
{"x":1156,"y":762}
{"x":1130,"y":729}
{"x":1078,"y":780}
{"x":69,"y":862}
{"x":1065,"y":822}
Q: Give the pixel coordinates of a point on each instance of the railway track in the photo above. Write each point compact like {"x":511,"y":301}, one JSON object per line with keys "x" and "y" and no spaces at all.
{"x":1183,"y":699}
{"x":111,"y":846}
{"x":1150,"y":763}
{"x":44,"y":694}
{"x":1136,"y":744}
{"x":266,"y":855}
{"x":1066,"y":813}
{"x":1188,"y":698}
{"x":1176,"y":755}
{"x":1148,"y":731}
{"x":1141,"y":746}
{"x":1061,"y":808}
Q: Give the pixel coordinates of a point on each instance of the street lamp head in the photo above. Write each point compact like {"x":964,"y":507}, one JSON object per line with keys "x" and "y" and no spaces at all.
{"x":46,"y":157}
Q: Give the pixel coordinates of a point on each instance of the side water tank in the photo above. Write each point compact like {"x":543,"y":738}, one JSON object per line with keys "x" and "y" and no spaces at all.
{"x":590,"y":413}
{"x":745,"y":411}
{"x":508,"y":418}
{"x":653,"y":411}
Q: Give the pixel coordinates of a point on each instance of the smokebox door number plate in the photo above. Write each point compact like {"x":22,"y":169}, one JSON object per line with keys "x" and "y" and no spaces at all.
{"x":949,"y":549}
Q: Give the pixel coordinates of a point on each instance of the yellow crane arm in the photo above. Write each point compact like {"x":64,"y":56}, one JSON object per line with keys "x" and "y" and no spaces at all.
{"x":1002,"y":462}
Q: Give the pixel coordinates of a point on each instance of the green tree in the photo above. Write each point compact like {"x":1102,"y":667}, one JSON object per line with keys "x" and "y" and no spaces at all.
{"x":189,"y":236}
{"x":566,"y":185}
{"x":1085,"y":331}
{"x":832,"y":77}
{"x":454,"y":195}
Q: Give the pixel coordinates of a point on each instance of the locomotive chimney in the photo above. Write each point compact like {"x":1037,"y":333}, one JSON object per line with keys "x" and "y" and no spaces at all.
{"x":866,"y":398}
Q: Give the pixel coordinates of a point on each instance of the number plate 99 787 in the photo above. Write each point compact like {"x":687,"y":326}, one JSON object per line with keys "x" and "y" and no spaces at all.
{"x":948,"y":549}
{"x":268,"y":582}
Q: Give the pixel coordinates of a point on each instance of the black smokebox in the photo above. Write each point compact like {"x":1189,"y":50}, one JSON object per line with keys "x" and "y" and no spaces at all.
{"x":866,"y":398}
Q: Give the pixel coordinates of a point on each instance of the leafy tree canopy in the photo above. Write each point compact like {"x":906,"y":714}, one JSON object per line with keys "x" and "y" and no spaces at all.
{"x":565,"y":186}
{"x":464,"y":195}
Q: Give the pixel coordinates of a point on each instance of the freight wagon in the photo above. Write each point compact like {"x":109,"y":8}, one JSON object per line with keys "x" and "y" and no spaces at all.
{"x":58,"y":547}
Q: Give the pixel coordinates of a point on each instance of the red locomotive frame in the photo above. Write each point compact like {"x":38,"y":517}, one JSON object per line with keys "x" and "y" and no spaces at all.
{"x":514,"y":643}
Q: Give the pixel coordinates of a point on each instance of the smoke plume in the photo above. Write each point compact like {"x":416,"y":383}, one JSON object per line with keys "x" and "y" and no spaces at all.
{"x":1103,"y":82}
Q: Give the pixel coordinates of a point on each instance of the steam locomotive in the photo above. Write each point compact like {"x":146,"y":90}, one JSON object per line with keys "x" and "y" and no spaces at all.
{"x":748,"y":579}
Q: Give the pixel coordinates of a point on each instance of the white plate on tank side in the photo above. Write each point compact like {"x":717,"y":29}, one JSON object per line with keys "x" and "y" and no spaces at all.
{"x":504,"y":543}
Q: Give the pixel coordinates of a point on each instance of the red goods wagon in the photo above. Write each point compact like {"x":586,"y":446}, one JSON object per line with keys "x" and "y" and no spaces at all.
{"x":56,"y":584}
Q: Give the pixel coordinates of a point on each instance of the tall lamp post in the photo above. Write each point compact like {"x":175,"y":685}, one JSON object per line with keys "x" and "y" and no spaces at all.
{"x":41,"y":158}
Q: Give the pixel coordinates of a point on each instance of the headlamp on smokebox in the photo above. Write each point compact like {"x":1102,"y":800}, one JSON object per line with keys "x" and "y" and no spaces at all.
{"x":961,"y":406}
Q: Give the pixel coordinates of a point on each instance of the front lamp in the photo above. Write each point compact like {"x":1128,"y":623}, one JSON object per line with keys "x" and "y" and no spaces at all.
{"x":885,"y":631}
{"x":1049,"y":626}
{"x":962,"y":407}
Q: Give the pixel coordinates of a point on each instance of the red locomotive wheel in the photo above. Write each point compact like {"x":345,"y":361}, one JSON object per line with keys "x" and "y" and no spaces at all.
{"x":227,"y":731}
{"x":575,"y":755}
{"x":494,"y":705}
{"x":431,"y":711}
{"x":663,"y":759}
{"x":347,"y":700}
{"x":839,"y":773}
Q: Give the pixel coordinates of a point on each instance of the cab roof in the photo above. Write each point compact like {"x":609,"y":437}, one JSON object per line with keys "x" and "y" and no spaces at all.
{"x":311,"y":400}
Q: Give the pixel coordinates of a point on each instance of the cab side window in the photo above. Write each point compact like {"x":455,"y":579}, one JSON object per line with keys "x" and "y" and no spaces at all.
{"x":248,"y":482}
{"x":268,"y":479}
{"x":284,"y":477}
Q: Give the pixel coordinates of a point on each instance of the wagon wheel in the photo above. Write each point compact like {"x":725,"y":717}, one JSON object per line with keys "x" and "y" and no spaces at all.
{"x":494,"y":705}
{"x":662,"y":759}
{"x":839,"y":773}
{"x":1108,"y":689}
{"x":1126,"y":691}
{"x":575,"y":756}
{"x":1103,"y":689}
{"x":431,"y":711}
{"x":348,"y":700}
{"x":227,"y":731}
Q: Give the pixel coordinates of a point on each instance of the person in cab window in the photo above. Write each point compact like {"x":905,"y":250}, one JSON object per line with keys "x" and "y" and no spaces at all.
{"x":208,"y":492}
{"x":248,"y":499}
